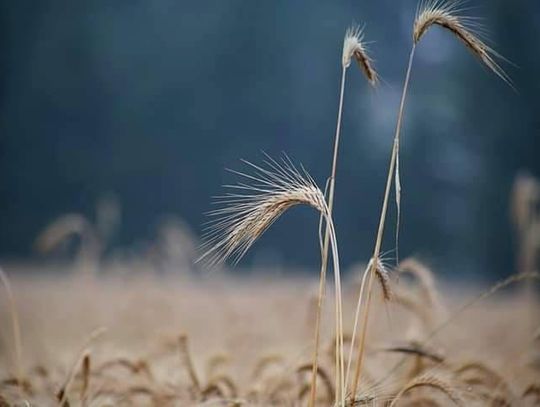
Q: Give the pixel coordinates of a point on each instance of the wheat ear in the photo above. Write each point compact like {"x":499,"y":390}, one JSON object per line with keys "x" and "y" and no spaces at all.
{"x":432,"y":382}
{"x":353,"y":48}
{"x":447,"y":14}
{"x":73,"y":224}
{"x":252,"y":208}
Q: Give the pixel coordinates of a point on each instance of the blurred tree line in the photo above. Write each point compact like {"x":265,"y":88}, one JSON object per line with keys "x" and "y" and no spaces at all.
{"x":151,"y":100}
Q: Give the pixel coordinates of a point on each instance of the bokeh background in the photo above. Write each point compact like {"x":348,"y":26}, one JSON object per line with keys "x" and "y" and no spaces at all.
{"x":149,"y":101}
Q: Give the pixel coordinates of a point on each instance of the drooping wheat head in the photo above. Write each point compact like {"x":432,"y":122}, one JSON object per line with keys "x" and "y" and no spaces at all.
{"x":250,"y":210}
{"x":433,"y":382}
{"x":354,"y":47}
{"x":447,"y":14}
{"x":253,"y":207}
{"x":67,"y":226}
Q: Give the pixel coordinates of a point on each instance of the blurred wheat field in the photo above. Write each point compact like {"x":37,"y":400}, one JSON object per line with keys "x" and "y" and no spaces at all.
{"x":163,"y":340}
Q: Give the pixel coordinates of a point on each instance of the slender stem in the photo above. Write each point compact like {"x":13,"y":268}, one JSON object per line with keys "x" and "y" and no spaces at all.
{"x":16,"y":330}
{"x":340,"y":365}
{"x":356,"y":316}
{"x":324,"y":256}
{"x":380,"y":232}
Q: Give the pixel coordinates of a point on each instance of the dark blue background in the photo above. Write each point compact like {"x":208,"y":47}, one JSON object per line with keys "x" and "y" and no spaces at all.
{"x":152,"y":99}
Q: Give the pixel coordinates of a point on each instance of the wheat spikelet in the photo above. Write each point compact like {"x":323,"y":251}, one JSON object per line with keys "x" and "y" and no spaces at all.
{"x":432,"y":382}
{"x":306,"y":368}
{"x":445,"y":13}
{"x":479,"y":372}
{"x":383,"y":276}
{"x":354,"y":47}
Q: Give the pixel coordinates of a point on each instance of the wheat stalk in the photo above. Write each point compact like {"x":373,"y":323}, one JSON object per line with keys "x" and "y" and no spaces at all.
{"x":433,"y":12}
{"x":253,"y":208}
{"x":353,"y":48}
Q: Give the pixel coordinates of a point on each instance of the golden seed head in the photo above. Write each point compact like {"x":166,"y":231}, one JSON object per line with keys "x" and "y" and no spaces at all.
{"x":246,"y":215}
{"x":446,"y":14}
{"x":354,"y":47}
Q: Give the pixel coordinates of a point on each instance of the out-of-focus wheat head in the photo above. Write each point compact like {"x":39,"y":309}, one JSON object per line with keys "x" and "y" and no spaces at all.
{"x":59,"y":230}
{"x":525,"y":202}
{"x":71,"y":224}
{"x":355,"y":47}
{"x":252,"y":208}
{"x":448,"y":14}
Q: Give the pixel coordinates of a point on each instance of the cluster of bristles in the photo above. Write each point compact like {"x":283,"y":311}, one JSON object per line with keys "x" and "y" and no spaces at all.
{"x":253,"y":207}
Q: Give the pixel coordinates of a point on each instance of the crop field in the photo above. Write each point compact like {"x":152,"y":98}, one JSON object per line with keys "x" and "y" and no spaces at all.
{"x":226,"y":341}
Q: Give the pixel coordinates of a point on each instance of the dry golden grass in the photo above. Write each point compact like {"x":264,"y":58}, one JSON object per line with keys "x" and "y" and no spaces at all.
{"x":253,"y":338}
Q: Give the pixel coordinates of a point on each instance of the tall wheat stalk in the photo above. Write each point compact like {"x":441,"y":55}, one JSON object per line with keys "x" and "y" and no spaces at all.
{"x":353,"y":48}
{"x":446,"y":15}
{"x":16,"y":330}
{"x":245,"y":216}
